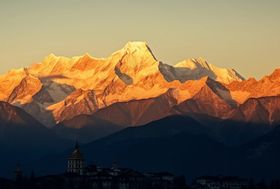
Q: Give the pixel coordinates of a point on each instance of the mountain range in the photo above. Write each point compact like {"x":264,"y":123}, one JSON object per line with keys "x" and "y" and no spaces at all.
{"x":48,"y":104}
{"x":60,"y":89}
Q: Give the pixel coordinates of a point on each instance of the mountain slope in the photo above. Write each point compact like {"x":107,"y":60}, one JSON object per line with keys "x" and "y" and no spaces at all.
{"x":212,"y":100}
{"x":174,"y":101}
{"x":85,"y":128}
{"x":23,"y":139}
{"x":251,"y":88}
{"x":264,"y":110}
{"x":260,"y":157}
{"x":138,"y":112}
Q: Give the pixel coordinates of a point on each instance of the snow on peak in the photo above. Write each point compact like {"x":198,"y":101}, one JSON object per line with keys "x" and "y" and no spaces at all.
{"x":195,"y":63}
{"x":51,"y":57}
{"x":200,"y":67}
{"x":136,"y":44}
{"x":135,"y":61}
{"x":138,"y":48}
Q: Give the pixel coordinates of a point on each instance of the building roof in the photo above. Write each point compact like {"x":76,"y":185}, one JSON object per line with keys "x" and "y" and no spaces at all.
{"x":131,"y":173}
{"x":76,"y":154}
{"x":221,"y":178}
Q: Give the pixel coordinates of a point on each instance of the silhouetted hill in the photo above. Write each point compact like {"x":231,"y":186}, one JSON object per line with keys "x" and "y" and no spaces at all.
{"x":85,"y":128}
{"x":261,"y":156}
{"x":23,"y":139}
{"x":177,"y":144}
{"x":183,"y":145}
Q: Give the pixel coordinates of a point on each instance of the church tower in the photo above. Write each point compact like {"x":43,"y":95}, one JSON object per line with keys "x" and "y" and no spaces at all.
{"x":18,"y":172}
{"x":76,"y":163}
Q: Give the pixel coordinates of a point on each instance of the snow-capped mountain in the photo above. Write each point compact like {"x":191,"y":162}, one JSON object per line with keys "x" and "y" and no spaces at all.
{"x":191,"y":69}
{"x":131,"y":87}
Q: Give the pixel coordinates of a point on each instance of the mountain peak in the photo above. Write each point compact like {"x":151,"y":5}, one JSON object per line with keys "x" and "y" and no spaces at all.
{"x":136,"y":45}
{"x":51,"y":56}
{"x":275,"y":75}
{"x":86,"y":55}
{"x":141,"y":48}
{"x":200,"y":68}
{"x":202,"y":61}
{"x":193,"y":63}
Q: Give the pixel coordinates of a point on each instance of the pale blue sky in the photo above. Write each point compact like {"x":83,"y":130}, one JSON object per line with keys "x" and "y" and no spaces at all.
{"x":240,"y":34}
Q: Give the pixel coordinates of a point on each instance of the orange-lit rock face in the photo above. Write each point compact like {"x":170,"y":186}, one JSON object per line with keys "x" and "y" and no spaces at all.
{"x":130,"y":87}
{"x":251,"y":88}
{"x":25,"y":90}
{"x":9,"y":81}
{"x":275,"y":76}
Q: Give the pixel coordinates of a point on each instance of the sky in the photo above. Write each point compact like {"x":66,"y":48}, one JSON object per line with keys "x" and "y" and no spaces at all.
{"x":239,"y":34}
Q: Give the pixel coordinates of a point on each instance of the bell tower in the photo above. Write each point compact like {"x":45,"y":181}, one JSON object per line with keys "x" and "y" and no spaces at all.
{"x":76,"y":163}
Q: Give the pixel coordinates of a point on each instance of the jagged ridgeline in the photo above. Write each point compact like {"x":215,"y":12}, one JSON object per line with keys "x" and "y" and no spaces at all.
{"x":59,"y":88}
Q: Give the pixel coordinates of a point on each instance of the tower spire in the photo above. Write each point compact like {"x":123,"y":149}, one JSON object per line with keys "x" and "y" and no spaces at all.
{"x":77,"y":145}
{"x":18,"y":172}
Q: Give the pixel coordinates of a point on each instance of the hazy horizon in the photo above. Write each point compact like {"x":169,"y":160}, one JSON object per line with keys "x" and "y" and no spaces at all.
{"x":240,"y":35}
